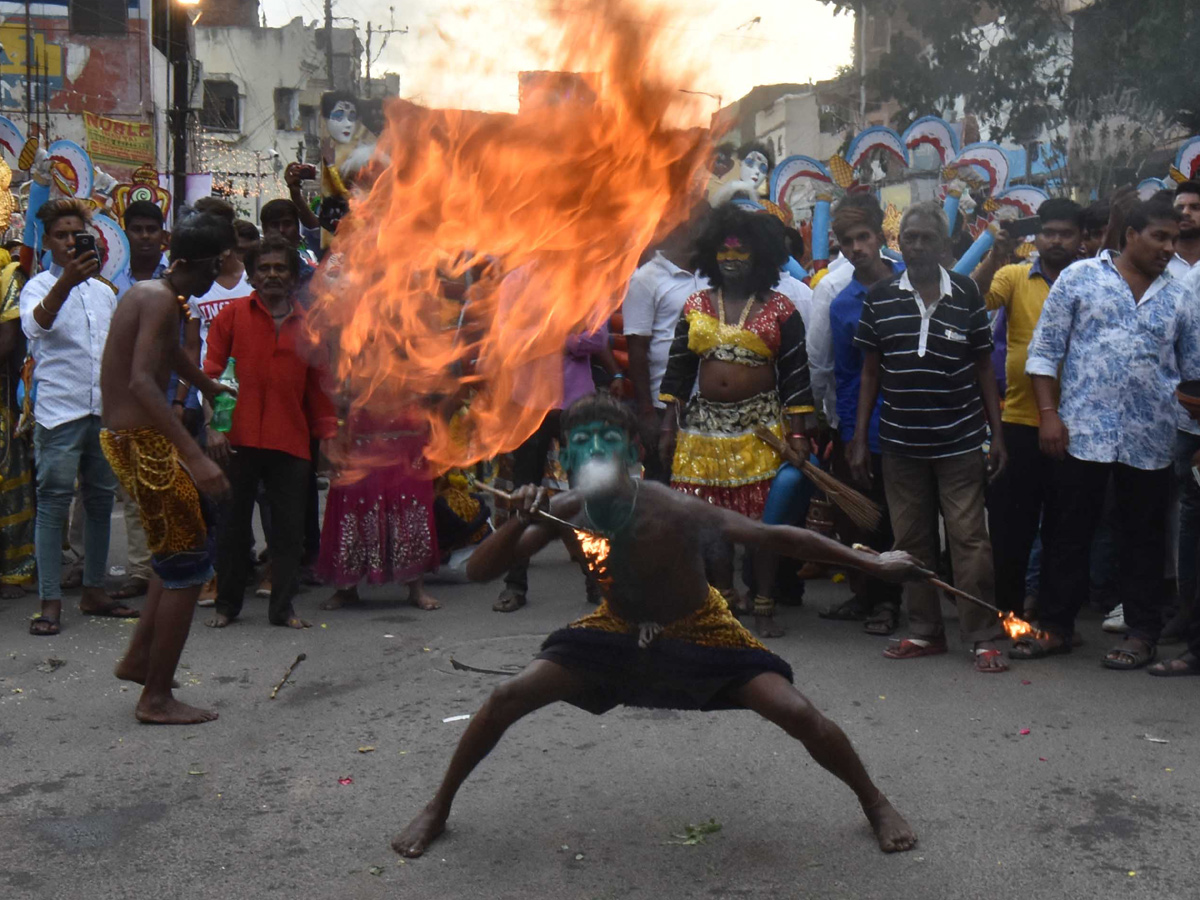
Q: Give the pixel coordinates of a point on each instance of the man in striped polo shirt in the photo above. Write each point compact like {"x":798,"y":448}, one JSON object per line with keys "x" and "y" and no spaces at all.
{"x":927,"y":343}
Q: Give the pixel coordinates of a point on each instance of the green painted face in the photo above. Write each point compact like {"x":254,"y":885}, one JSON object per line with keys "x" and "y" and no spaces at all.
{"x":596,"y":440}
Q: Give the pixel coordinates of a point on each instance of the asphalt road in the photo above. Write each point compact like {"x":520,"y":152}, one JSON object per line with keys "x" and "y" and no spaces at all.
{"x":92,"y":804}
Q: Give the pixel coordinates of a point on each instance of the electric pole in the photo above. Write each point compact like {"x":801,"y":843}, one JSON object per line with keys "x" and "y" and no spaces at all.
{"x":178,"y":46}
{"x":387,"y":33}
{"x":329,"y":44}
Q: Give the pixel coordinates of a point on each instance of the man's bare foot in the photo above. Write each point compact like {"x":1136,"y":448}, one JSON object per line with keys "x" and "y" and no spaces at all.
{"x":95,"y":602}
{"x":293,"y":621}
{"x":768,"y":627}
{"x":421,"y":600}
{"x":341,"y":597}
{"x":421,"y":832}
{"x":171,"y":712}
{"x":135,"y":672}
{"x":895,"y":835}
{"x":220,"y":620}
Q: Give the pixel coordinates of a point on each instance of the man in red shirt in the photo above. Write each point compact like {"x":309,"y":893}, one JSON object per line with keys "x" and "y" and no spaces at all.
{"x":281,"y":407}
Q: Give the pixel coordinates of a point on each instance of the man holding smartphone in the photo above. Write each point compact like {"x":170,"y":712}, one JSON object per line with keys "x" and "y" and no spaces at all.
{"x":65,"y":314}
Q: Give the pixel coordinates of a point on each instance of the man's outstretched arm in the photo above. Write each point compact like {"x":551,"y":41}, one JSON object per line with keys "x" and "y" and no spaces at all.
{"x":802,"y":544}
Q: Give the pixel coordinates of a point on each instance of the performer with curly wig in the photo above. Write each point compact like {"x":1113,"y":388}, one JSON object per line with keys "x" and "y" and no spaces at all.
{"x":741,"y":343}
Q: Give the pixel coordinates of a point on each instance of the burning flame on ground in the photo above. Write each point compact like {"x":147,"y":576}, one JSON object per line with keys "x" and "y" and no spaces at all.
{"x":548,"y":210}
{"x":1019,"y":628}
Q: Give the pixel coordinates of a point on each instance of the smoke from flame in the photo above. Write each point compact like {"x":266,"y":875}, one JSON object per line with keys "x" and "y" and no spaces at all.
{"x":547,"y":210}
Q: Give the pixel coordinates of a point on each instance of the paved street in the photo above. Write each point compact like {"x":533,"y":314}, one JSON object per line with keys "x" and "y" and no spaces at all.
{"x":570,"y":805}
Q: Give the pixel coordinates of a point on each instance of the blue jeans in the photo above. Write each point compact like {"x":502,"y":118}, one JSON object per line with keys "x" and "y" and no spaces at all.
{"x":61,"y":454}
{"x":791,"y":492}
{"x":787,"y":504}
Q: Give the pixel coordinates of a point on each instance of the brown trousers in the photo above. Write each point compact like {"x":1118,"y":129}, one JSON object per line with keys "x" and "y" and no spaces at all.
{"x":917,"y":490}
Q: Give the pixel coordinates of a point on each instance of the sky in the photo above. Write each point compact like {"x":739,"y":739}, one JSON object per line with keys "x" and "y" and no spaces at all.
{"x":470,"y":59}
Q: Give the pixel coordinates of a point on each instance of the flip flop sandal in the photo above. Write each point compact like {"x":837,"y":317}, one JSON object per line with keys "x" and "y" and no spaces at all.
{"x":1138,"y":658}
{"x":883,"y":622}
{"x":43,"y":626}
{"x":1165,"y":670}
{"x":908,"y":649}
{"x":114,"y":610}
{"x":1036,"y":648}
{"x":852,"y":610}
{"x":510,"y":601}
{"x":990,"y":662}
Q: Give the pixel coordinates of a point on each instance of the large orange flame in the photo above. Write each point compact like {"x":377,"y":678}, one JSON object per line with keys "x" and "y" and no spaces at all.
{"x":548,"y":210}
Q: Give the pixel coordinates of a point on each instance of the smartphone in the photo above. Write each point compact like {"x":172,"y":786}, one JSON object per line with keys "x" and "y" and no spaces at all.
{"x":308,"y":172}
{"x":1023,"y":228}
{"x":85,"y":243}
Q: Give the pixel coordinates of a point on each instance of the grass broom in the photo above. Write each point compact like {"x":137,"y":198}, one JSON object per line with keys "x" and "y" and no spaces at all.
{"x":862,"y":511}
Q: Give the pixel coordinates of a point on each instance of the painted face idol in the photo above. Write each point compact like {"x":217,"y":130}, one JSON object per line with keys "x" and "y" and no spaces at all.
{"x":754,"y":167}
{"x":342,"y":119}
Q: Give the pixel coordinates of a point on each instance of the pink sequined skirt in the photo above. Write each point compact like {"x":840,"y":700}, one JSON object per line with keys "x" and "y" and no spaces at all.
{"x":379,"y":528}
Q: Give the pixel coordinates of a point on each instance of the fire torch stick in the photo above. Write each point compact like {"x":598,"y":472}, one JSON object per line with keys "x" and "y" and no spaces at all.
{"x":504,"y":495}
{"x":938,"y":583}
{"x":1014,"y":626}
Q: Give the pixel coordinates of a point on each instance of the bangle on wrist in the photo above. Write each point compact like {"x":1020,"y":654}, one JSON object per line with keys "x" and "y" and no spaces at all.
{"x":1053,"y":409}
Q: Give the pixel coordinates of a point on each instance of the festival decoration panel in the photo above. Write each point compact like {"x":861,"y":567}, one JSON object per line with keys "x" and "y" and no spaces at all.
{"x":934,"y":132}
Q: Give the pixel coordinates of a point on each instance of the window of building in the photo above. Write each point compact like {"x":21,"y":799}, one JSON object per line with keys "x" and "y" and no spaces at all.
{"x":308,"y":119}
{"x":222,"y":106}
{"x":287,"y":109}
{"x":97,"y":16}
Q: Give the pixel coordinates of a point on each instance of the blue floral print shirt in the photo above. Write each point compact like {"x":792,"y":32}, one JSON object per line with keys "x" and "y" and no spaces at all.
{"x":1121,"y":361}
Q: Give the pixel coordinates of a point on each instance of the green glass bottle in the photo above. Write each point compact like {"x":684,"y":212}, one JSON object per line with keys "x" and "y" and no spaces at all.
{"x":223,"y":405}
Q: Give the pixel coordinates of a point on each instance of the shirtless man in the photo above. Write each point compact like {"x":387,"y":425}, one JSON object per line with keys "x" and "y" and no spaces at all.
{"x":159,"y":463}
{"x":662,"y":637}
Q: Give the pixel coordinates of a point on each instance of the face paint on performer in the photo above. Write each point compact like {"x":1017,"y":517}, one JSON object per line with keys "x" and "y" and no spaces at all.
{"x":594,"y":441}
{"x":733,"y":259}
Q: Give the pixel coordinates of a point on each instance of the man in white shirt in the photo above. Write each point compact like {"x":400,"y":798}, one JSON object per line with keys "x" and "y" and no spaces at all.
{"x":651,"y":308}
{"x":819,"y":338}
{"x":1187,"y":248}
{"x":65,"y":314}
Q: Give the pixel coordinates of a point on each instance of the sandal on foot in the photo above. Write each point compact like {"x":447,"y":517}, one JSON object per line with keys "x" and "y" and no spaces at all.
{"x":912,"y":648}
{"x":114,"y":610}
{"x":510,"y":601}
{"x":1168,"y":668}
{"x":43,"y":626}
{"x":990,"y":662}
{"x":883,"y":621}
{"x":852,"y":610}
{"x":1038,"y":648}
{"x":1140,"y":653}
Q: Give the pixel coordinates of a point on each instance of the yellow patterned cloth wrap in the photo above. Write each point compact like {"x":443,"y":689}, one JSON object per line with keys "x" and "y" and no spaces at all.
{"x":713,"y":625}
{"x":707,"y":337}
{"x":147,"y":465}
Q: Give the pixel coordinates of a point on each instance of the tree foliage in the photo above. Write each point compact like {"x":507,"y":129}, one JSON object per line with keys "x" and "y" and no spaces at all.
{"x":1032,"y":72}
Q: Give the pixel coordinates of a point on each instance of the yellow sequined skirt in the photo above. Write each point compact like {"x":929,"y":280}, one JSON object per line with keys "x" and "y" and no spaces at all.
{"x":719,"y":458}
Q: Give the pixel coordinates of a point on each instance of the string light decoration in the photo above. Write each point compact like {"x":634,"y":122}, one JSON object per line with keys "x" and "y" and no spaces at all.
{"x":238,"y":173}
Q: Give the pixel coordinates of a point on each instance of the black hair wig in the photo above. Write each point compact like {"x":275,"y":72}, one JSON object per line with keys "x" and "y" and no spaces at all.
{"x":761,"y":234}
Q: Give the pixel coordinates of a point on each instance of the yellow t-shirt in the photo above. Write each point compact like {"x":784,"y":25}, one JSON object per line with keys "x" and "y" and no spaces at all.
{"x":1022,"y":292}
